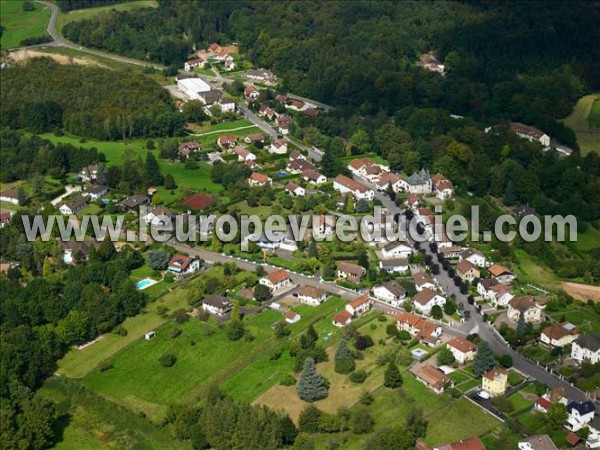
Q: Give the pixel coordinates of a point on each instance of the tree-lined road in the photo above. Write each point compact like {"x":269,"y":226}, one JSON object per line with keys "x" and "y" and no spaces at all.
{"x":485,"y":330}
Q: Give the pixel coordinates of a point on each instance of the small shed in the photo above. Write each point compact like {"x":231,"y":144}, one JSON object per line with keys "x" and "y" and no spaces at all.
{"x":150,"y":335}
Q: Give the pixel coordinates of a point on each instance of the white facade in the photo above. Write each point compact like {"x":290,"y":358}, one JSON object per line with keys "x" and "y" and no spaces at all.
{"x":580,"y":353}
{"x":384,"y":294}
{"x":399,"y":250}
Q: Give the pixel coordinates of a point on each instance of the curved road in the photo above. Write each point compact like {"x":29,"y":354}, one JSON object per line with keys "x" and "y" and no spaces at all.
{"x":59,"y":41}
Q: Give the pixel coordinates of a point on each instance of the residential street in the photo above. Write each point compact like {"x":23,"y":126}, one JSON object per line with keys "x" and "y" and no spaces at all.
{"x":476,"y":322}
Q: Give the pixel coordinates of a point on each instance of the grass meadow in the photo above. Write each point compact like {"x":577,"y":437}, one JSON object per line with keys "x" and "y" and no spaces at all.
{"x":19,"y":24}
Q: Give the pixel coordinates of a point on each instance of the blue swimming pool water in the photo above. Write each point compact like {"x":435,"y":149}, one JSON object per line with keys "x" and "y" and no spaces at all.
{"x":143,"y":283}
{"x":281,"y":173}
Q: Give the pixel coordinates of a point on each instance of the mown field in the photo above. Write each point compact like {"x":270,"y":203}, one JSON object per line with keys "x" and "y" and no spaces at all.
{"x":585,"y":122}
{"x":19,"y":24}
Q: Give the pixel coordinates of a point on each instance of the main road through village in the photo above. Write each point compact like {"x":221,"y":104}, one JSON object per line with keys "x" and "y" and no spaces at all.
{"x":474,"y":324}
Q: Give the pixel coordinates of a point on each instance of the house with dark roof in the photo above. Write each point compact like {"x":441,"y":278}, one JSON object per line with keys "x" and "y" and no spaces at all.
{"x":73,"y":205}
{"x":351,"y":272}
{"x":586,"y":348}
{"x":580,"y":414}
{"x":95,"y":191}
{"x":10,"y":196}
{"x":133,"y":202}
{"x":527,"y":305}
{"x":537,"y":442}
{"x":216,"y":304}
{"x":390,"y":292}
{"x":473,"y":256}
{"x":398,"y":265}
{"x":419,"y":182}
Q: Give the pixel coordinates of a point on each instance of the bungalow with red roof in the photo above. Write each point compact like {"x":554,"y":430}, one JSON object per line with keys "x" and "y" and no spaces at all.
{"x":255,"y":139}
{"x":501,"y":274}
{"x":419,"y":328}
{"x":442,"y":186}
{"x":359,"y":306}
{"x":342,"y":319}
{"x":194,"y":64}
{"x":226,"y":141}
{"x":181,"y":264}
{"x":462,"y":349}
{"x":243,"y":154}
{"x":294,"y":189}
{"x":433,"y":378}
{"x":347,"y":185}
{"x":259,"y":180}
{"x":532,"y":134}
{"x":559,"y":334}
{"x":277,"y":280}
{"x":251,"y":93}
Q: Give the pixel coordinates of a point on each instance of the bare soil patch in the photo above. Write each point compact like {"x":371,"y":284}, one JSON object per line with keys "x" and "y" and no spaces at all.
{"x":583,"y":292}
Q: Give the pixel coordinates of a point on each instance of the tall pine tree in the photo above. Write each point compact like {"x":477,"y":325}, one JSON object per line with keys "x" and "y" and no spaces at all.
{"x":392,"y":378}
{"x":344,"y":360}
{"x":484,"y":360}
{"x":152,"y":171}
{"x":311,"y":385}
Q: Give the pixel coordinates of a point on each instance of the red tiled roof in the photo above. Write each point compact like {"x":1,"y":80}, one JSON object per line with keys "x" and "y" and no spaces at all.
{"x":343,"y":318}
{"x":462,"y":345}
{"x":180,"y":261}
{"x":198,"y":201}
{"x":278,"y":276}
{"x":497,"y":270}
{"x":543,"y":403}
{"x":464,"y":266}
{"x":359,"y":301}
{"x":351,"y":184}
{"x":259,"y":177}
{"x":424,"y":296}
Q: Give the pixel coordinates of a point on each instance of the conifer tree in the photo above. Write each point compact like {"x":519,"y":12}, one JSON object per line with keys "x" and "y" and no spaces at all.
{"x":484,"y":360}
{"x":392,"y":378}
{"x":344,"y":360}
{"x":311,"y":385}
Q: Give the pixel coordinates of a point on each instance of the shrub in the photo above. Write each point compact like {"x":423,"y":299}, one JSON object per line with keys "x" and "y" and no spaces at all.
{"x":175,"y":332}
{"x":288,"y":380}
{"x":358,"y":376}
{"x":366,"y":398}
{"x":344,"y":365}
{"x":363,"y":342}
{"x":105,"y":365}
{"x":167,"y":360}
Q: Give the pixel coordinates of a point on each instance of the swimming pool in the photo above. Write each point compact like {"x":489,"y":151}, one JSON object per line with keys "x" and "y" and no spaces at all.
{"x":281,"y":173}
{"x":145,"y":283}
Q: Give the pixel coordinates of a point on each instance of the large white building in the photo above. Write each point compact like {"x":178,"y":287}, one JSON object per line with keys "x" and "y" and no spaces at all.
{"x":192,"y":87}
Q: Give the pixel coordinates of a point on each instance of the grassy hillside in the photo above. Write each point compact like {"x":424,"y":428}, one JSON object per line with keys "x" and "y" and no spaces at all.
{"x":585,"y":121}
{"x":19,"y":24}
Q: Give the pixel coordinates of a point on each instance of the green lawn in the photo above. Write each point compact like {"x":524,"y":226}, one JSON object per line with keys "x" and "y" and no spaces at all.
{"x":19,"y":24}
{"x":96,"y":423}
{"x":586,"y":114}
{"x":80,"y":14}
{"x":520,"y":403}
{"x":140,"y":383}
{"x":197,"y":179}
{"x":78,"y":363}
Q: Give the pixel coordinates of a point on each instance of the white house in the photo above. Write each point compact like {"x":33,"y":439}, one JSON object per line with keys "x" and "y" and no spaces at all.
{"x":292,"y":317}
{"x":342,"y":319}
{"x":474,"y":257}
{"x":586,"y":348}
{"x":10,"y":196}
{"x":278,"y":146}
{"x":390,"y":292}
{"x":532,"y":134}
{"x":262,"y":75}
{"x":193,"y":64}
{"x":387,"y":179}
{"x":277,"y":280}
{"x":423,"y":281}
{"x":351,"y":272}
{"x":501,"y":273}
{"x":88,"y":173}
{"x":499,"y":295}
{"x":397,"y":250}
{"x":462,"y":350}
{"x":243,"y":154}
{"x":526,"y":305}
{"x":559,"y":334}
{"x":95,"y":192}
{"x":312,"y":296}
{"x":216,"y":304}
{"x":323,"y":225}
{"x":426,"y":331}
{"x":359,"y":306}
{"x":181,"y":264}
{"x":73,"y":205}
{"x":294,"y":189}
{"x":157,"y":216}
{"x":259,"y":180}
{"x":313,"y":177}
{"x":580,"y":414}
{"x":442,"y":186}
{"x":427,"y":299}
{"x":398,"y":265}
{"x":346,"y":185}
{"x":418,"y":183}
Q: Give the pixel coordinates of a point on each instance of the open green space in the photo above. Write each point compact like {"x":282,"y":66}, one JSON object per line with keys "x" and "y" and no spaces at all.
{"x":19,"y":24}
{"x":91,"y":422}
{"x":86,"y":13}
{"x":585,"y":122}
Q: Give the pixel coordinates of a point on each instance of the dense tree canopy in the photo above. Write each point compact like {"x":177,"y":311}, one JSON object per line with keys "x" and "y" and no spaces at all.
{"x":86,"y":101}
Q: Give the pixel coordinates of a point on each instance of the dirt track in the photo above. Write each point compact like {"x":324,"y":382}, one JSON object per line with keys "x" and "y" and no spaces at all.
{"x":582,"y":292}
{"x":22,"y":56}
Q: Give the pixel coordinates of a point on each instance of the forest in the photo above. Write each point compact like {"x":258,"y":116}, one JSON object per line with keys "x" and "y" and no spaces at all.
{"x":532,"y":74}
{"x":89,"y":102}
{"x":69,"y":5}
